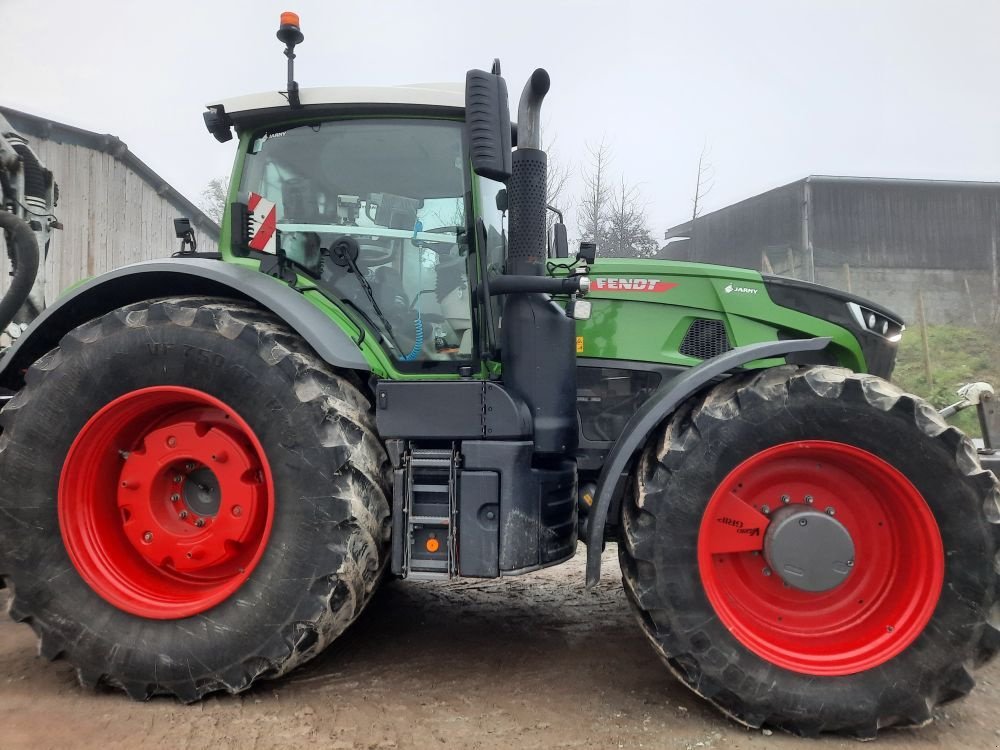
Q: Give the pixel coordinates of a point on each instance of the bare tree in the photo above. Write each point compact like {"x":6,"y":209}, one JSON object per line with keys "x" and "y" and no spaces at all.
{"x":556,"y":180}
{"x":627,"y":233}
{"x":214,"y":198}
{"x":704,"y":182}
{"x":594,"y":206}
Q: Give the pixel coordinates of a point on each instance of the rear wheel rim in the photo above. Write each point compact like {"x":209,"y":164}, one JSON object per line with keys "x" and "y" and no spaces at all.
{"x":166,"y":502}
{"x":885,"y":601}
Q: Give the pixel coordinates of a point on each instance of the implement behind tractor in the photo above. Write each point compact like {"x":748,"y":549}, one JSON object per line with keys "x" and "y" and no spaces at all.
{"x":209,"y":465}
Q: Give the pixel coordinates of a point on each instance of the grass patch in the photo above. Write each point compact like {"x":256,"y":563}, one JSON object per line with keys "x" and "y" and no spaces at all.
{"x":958,"y":356}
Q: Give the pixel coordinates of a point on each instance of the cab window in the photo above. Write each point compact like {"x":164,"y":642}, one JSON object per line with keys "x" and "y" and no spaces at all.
{"x":398,"y":187}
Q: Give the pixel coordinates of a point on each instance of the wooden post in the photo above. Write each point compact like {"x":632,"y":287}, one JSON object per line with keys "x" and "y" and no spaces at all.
{"x":922,"y":322}
{"x":847,"y":276}
{"x":972,"y":304}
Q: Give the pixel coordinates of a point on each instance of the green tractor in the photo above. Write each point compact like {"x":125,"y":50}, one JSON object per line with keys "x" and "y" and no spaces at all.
{"x":209,"y":464}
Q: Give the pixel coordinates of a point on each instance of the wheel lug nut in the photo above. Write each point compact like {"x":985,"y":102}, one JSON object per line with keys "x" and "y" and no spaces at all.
{"x":189,"y":467}
{"x":786,"y":499}
{"x":200,"y":522}
{"x":802,"y":522}
{"x":850,"y":563}
{"x":178,"y":479}
{"x":147,"y":537}
{"x":124,"y":455}
{"x":175,"y":497}
{"x":182,"y":515}
{"x":171,"y":441}
{"x":237,"y":510}
{"x":765,"y":509}
{"x":830,"y":511}
{"x":809,"y":499}
{"x":766,"y":571}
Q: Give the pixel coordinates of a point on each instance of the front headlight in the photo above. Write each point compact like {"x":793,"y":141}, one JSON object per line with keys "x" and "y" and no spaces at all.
{"x":876,"y":322}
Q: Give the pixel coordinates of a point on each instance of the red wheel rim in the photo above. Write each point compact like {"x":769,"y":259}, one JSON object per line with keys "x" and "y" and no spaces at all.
{"x":165,"y":502}
{"x":881,"y":606}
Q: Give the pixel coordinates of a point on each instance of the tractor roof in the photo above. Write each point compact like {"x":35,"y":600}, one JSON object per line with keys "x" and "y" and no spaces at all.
{"x":244,"y":109}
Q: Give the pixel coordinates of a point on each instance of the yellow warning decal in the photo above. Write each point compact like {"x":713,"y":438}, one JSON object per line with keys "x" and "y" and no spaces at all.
{"x":579,"y":344}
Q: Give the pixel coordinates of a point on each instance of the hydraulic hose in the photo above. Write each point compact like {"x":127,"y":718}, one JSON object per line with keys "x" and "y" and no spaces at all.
{"x":22,"y":249}
{"x":418,"y":343}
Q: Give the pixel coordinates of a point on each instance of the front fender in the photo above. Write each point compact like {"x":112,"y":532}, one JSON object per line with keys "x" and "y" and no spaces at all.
{"x":657,"y":408}
{"x":178,"y":276}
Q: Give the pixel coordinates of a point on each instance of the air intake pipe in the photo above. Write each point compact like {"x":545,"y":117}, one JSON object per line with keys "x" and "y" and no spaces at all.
{"x":538,"y":339}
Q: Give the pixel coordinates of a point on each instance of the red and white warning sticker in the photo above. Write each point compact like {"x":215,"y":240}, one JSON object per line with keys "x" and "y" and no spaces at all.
{"x":263,"y":224}
{"x":618,"y":284}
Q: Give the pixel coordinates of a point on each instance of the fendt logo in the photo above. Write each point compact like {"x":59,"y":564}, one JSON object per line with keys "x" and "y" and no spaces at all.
{"x":631,"y":285}
{"x":730,"y":288}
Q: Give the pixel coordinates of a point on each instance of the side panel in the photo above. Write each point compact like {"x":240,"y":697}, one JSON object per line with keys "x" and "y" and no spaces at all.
{"x":179,"y":276}
{"x":642,"y":310}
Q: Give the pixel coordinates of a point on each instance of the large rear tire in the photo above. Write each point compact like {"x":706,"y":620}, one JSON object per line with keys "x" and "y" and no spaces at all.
{"x":191,"y":499}
{"x":883,"y":636}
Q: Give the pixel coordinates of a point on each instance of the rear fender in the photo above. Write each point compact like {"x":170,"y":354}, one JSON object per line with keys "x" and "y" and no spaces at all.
{"x":178,"y":276}
{"x":653,"y":412}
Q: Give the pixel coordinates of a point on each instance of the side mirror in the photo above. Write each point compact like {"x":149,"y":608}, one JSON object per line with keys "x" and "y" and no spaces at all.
{"x":185,"y":233}
{"x":487,"y":124}
{"x":588,"y":252}
{"x":560,"y":242}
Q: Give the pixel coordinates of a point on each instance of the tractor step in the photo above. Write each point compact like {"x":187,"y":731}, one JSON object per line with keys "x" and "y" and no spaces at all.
{"x":424,"y":504}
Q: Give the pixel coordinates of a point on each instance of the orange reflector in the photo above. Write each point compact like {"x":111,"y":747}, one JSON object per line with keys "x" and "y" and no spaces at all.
{"x":288,"y":18}
{"x":433,"y":545}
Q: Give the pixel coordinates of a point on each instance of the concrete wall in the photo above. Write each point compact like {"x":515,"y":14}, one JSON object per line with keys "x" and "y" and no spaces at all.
{"x":946,"y":299}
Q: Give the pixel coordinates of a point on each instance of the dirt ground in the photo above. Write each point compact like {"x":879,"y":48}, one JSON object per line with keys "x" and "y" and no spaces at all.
{"x":529,"y":662}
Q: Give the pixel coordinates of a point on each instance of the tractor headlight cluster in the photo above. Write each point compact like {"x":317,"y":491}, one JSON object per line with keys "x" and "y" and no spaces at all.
{"x":876,"y":322}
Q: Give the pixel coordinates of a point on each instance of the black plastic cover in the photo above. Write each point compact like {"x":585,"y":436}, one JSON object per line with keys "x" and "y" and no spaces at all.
{"x":479,"y":524}
{"x":449,"y":410}
{"x":538,"y":510}
{"x":487,"y":122}
{"x":831,"y":305}
{"x":539,"y":366}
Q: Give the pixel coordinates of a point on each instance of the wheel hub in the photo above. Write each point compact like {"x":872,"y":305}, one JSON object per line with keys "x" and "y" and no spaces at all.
{"x":839,"y":594}
{"x":165,"y":502}
{"x":810,"y":550}
{"x":173,"y":511}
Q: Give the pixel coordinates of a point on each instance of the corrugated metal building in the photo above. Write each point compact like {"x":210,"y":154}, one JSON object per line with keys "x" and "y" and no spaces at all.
{"x":115,"y":209}
{"x":879,"y":237}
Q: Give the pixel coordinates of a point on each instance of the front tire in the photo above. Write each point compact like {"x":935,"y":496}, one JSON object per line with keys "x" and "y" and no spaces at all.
{"x":220,"y":514}
{"x":890,"y":638}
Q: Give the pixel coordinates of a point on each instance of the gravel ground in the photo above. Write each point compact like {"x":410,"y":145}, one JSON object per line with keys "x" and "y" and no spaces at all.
{"x":528,"y":662}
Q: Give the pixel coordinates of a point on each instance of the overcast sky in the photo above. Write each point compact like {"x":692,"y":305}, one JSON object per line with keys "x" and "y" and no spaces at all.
{"x":777,"y":89}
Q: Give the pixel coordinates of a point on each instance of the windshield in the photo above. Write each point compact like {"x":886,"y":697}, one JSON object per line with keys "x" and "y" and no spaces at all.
{"x":398,"y":187}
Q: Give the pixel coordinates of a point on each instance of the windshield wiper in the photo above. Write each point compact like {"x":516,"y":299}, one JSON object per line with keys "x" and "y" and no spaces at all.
{"x":345,"y":252}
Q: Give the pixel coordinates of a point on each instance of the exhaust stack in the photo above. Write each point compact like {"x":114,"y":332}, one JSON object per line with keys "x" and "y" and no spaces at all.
{"x":538,"y":339}
{"x":529,"y":165}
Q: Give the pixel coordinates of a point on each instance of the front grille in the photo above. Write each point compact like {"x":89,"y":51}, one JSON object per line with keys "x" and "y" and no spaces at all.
{"x":705,"y":339}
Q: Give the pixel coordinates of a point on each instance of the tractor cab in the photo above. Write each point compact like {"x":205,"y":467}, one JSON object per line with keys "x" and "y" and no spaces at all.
{"x":368,"y":194}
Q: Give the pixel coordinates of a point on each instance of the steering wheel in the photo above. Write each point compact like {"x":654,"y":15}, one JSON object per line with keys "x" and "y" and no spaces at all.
{"x":443,"y":246}
{"x":372,"y":253}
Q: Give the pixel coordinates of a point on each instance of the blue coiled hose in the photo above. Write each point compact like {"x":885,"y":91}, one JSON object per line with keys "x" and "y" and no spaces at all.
{"x":418,"y":344}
